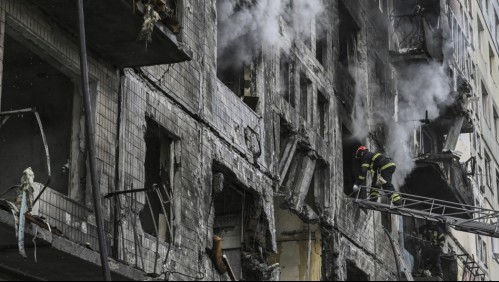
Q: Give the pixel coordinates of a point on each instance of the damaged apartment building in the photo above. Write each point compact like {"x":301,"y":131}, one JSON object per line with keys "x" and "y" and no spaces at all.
{"x":225,"y":134}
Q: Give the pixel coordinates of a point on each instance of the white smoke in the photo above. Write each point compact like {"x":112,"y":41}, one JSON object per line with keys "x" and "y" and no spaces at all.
{"x":421,"y":87}
{"x":247,"y":26}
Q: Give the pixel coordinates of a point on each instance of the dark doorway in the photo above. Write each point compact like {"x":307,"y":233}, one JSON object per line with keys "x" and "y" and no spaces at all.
{"x":350,"y":145}
{"x":230,"y":214}
{"x":159,"y":171}
{"x":355,"y":274}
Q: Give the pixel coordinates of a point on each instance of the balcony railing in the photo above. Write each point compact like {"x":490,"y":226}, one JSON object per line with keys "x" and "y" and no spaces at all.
{"x":441,"y":176}
{"x":112,"y":29}
{"x":416,"y":38}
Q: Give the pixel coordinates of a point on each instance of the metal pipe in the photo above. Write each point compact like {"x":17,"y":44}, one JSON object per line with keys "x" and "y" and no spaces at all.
{"x":309,"y":253}
{"x":399,"y":274}
{"x":47,"y":155}
{"x":90,"y":134}
{"x":157,"y":233}
{"x":117,"y":193}
{"x":117,"y":169}
{"x":17,"y":112}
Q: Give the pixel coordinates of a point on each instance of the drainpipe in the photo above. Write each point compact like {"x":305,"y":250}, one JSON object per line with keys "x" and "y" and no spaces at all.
{"x":115,"y":200}
{"x":399,"y":273}
{"x":90,"y":130}
{"x":309,"y":252}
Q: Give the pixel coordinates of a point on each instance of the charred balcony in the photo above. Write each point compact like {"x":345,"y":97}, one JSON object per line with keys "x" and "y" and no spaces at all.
{"x":443,"y":177}
{"x":452,"y":115}
{"x":456,"y":118}
{"x":416,"y":31}
{"x":113,"y":27}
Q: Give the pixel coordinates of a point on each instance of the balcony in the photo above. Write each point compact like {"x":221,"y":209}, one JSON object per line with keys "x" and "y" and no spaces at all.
{"x":416,"y":38}
{"x":70,"y":244}
{"x":442,"y":177}
{"x":112,"y":29}
{"x":458,"y":110}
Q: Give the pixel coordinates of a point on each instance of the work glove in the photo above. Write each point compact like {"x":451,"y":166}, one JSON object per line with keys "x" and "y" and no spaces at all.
{"x":356,"y":188}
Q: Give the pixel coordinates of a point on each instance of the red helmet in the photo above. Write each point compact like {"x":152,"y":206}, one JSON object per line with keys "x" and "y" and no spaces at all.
{"x":361,"y":151}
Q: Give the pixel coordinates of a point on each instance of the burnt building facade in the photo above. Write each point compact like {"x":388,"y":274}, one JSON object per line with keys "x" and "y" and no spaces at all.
{"x":259,"y":154}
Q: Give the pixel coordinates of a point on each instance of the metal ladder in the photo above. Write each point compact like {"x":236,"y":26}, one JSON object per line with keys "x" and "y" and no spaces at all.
{"x":459,"y":216}
{"x":398,"y":256}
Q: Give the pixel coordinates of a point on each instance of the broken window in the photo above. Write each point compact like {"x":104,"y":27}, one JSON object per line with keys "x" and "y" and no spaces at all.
{"x":482,"y":250}
{"x":31,"y":82}
{"x":496,"y":124}
{"x":285,"y":136}
{"x":231,"y":75}
{"x":497,"y":184}
{"x":310,"y":199}
{"x":497,"y":26}
{"x":355,"y":274}
{"x":350,"y":146}
{"x":485,"y":258}
{"x":238,"y":76}
{"x":305,"y":85}
{"x":285,"y":78}
{"x":231,"y":212}
{"x":348,"y":33}
{"x":318,"y":187}
{"x":480,"y":179}
{"x":488,"y":171}
{"x":481,"y":35}
{"x":479,"y":144}
{"x":323,"y":107}
{"x":427,"y":142}
{"x":492,"y":62}
{"x":485,"y":105}
{"x":159,"y":174}
{"x":320,"y":42}
{"x":298,"y":244}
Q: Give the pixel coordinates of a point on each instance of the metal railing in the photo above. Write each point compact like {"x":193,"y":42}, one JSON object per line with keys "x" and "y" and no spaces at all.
{"x":459,"y":216}
{"x":167,"y":209}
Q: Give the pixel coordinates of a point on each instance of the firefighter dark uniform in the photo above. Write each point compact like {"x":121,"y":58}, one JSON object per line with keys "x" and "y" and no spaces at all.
{"x":379,"y":165}
{"x":434,"y":240}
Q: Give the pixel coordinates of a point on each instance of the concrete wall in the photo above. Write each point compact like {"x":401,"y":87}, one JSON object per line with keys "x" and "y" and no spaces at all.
{"x":215,"y":130}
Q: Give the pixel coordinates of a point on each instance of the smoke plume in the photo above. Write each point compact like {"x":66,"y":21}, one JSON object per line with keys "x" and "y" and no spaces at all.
{"x":247,"y":26}
{"x":421,"y":87}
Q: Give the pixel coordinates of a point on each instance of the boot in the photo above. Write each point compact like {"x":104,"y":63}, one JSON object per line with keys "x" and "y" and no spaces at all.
{"x":374,"y":195}
{"x":396,"y":199}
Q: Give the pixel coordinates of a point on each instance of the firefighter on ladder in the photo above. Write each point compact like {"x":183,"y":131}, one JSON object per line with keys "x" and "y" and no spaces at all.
{"x":433,"y":240}
{"x":383,"y":169}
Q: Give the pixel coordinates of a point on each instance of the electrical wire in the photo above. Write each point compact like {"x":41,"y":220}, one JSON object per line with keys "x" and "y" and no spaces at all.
{"x":8,"y":190}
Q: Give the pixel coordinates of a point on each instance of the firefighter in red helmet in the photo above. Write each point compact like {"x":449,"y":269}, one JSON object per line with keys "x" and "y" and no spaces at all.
{"x":383,"y":169}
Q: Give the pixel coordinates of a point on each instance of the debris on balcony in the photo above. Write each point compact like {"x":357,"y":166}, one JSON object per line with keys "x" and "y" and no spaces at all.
{"x":151,"y":17}
{"x":155,"y":11}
